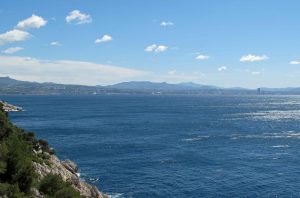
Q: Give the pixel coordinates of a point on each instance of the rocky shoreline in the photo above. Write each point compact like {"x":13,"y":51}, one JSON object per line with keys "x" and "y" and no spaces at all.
{"x":8,"y":107}
{"x":66,"y":170}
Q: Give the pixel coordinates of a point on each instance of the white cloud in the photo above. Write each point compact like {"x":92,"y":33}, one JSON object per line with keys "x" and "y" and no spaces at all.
{"x":295,"y":62}
{"x":66,"y":71}
{"x":77,"y":17}
{"x":256,"y":73}
{"x":222,"y":68}
{"x":253,"y":58}
{"x":32,"y":22}
{"x":12,"y":50}
{"x":202,"y":57}
{"x":161,"y":48}
{"x":103,"y":39}
{"x":166,"y":23}
{"x":150,"y":48}
{"x":82,"y":72}
{"x":55,"y":43}
{"x":13,"y":36}
{"x":156,"y":48}
{"x":172,"y":72}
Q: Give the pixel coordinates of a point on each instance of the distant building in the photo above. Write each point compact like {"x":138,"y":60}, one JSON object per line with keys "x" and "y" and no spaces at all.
{"x":258,"y":91}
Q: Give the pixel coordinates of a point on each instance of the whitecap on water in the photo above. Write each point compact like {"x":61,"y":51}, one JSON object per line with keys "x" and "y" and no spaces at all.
{"x":198,"y":138}
{"x":280,"y":146}
{"x":277,"y":135}
{"x":115,"y":195}
{"x":94,"y":180}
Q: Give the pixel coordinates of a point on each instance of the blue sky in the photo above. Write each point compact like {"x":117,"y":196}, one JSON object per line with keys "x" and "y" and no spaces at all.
{"x":225,"y":43}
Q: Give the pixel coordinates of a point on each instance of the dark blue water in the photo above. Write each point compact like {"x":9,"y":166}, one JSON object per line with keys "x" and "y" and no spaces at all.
{"x":174,"y":146}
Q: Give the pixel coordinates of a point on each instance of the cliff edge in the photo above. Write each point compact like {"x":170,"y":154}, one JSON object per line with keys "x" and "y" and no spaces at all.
{"x":67,"y":170}
{"x":29,"y":167}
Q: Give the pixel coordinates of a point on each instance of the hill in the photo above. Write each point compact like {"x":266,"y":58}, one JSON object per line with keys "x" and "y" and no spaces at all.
{"x":12,"y":86}
{"x":147,"y":85}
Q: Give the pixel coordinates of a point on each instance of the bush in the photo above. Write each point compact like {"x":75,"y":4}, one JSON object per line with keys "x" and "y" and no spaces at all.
{"x":51,"y":184}
{"x":19,"y":167}
{"x":11,"y":191}
{"x":3,"y":159}
{"x":54,"y":186}
{"x":67,"y":192}
{"x":45,"y":147}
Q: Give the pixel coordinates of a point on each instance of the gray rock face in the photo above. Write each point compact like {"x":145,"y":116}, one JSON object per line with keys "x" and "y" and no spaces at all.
{"x":8,"y":107}
{"x":67,"y":171}
{"x":71,"y":166}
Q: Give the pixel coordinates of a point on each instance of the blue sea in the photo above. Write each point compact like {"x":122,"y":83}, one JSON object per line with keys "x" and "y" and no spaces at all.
{"x":173,"y":146}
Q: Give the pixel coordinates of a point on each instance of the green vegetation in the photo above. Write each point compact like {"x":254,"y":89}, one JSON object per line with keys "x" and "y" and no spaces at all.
{"x":54,"y":187}
{"x":17,"y":174}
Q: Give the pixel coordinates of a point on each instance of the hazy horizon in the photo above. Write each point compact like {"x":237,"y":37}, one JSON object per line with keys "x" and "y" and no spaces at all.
{"x":225,"y":44}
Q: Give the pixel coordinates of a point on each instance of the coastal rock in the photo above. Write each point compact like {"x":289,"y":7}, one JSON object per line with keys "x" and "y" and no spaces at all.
{"x":71,"y":166}
{"x":67,"y":171}
{"x":8,"y":107}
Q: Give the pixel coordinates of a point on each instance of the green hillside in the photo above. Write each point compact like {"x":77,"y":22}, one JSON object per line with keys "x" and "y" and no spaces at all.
{"x":18,"y":178}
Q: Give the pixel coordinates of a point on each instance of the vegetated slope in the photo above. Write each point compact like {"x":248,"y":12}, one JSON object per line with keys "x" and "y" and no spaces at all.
{"x":29,"y":168}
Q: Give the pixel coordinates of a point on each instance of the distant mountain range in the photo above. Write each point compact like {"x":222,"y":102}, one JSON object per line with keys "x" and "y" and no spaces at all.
{"x":146,"y":85}
{"x":12,"y":86}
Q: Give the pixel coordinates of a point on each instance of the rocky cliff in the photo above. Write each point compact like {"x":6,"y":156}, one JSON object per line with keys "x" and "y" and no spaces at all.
{"x":26,"y":163}
{"x":8,"y":107}
{"x":68,"y":171}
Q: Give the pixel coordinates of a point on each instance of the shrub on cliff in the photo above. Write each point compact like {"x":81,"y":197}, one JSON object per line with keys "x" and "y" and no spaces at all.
{"x":54,"y":187}
{"x":67,"y":192}
{"x":45,"y":147}
{"x":19,"y":169}
{"x":15,"y":163}
{"x":11,"y":191}
{"x":6,"y":127}
{"x":18,"y":149}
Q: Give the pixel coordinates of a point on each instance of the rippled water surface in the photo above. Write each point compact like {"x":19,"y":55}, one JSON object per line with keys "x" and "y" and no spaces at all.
{"x":174,"y":146}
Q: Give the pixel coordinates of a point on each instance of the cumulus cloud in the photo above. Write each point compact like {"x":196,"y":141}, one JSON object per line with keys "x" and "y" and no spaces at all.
{"x":161,"y":48}
{"x":55,"y":43}
{"x":222,"y":68}
{"x":166,"y":23}
{"x":77,"y":17}
{"x":66,"y":71}
{"x":13,"y":36}
{"x":103,"y":39}
{"x":33,"y":22}
{"x":150,"y":48}
{"x":12,"y":50}
{"x":156,"y":48}
{"x":253,"y":58}
{"x":295,"y":62}
{"x":202,"y":57}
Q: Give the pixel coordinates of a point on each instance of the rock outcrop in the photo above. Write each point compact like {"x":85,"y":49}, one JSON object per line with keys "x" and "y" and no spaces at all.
{"x":68,"y":171}
{"x":8,"y":107}
{"x":49,"y":163}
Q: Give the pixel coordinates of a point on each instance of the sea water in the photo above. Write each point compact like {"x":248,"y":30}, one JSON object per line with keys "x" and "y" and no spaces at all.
{"x":144,"y":146}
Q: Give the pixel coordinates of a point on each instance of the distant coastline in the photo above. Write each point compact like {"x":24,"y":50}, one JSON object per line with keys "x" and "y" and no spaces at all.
{"x":9,"y":86}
